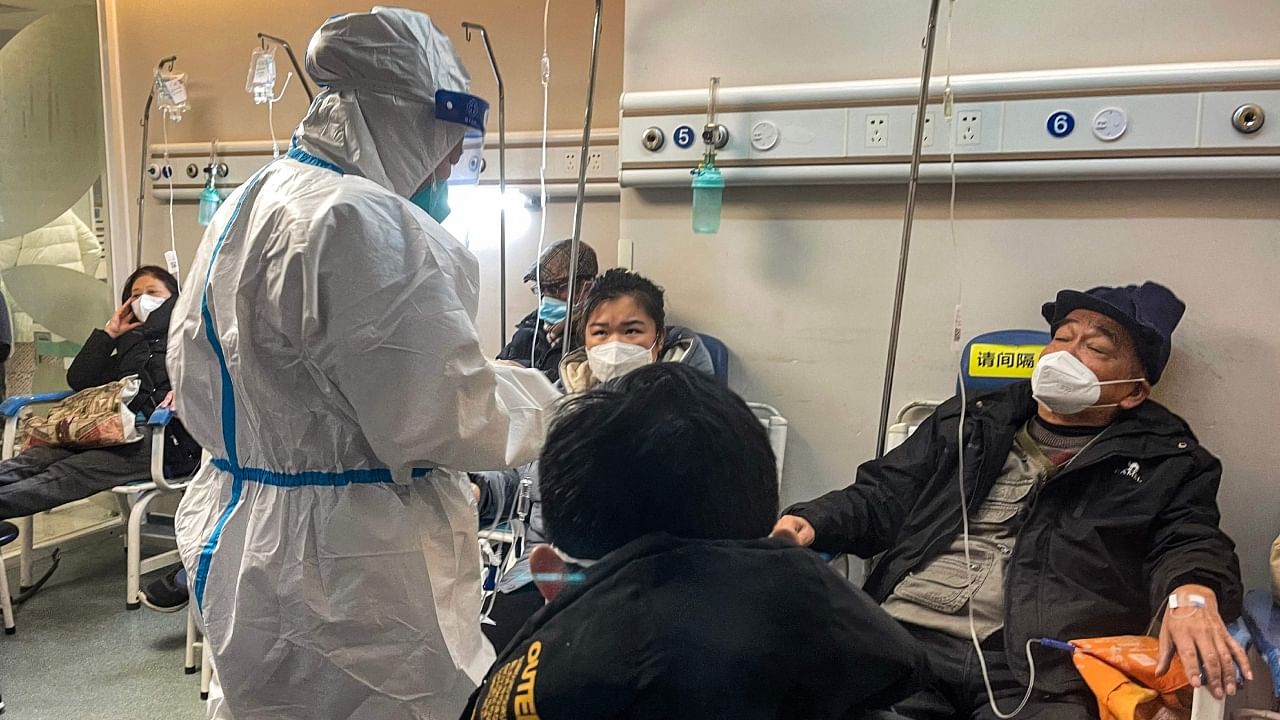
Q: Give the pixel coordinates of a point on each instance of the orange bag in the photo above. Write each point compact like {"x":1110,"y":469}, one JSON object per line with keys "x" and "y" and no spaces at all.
{"x":1121,"y":672}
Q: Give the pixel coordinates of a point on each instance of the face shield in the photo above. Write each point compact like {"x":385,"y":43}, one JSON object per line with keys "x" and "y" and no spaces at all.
{"x":471,"y":113}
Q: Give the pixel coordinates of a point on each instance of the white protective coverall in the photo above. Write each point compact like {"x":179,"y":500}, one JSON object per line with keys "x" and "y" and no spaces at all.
{"x":327,"y":359}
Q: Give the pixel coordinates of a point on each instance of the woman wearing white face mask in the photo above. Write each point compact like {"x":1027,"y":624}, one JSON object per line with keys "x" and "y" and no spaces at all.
{"x":133,"y":342}
{"x":622,"y":327}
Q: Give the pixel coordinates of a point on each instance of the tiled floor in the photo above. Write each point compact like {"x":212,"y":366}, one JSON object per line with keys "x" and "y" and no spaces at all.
{"x":78,"y":654}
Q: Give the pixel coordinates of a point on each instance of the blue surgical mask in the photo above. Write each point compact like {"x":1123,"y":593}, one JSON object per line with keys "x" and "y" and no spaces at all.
{"x":552,"y":310}
{"x":434,"y":198}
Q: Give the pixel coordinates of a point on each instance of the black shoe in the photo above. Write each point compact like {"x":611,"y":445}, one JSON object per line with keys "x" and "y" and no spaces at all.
{"x":168,"y":594}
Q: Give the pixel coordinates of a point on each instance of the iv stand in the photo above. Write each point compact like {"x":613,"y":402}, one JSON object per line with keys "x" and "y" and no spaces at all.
{"x":297,"y":69}
{"x":146,"y":152}
{"x":582,"y":183}
{"x":895,"y":325}
{"x":502,"y":180}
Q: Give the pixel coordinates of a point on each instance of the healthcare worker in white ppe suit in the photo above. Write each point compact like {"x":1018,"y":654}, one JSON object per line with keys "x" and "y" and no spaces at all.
{"x":327,"y":359}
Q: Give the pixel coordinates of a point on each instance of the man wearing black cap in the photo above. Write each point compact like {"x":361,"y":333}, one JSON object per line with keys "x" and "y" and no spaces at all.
{"x":1091,"y":509}
{"x":537,"y":340}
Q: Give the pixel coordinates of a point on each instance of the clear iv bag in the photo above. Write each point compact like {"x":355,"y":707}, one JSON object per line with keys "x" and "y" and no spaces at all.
{"x":261,"y":83}
{"x":171,"y":94}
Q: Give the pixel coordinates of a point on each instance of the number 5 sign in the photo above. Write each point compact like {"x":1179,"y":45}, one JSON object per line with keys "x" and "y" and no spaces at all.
{"x":684,"y":137}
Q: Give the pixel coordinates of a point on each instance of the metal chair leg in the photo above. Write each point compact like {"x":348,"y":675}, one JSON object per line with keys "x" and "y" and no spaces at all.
{"x":134,"y":564}
{"x":6,"y":603}
{"x":192,"y":641}
{"x":206,"y":667}
{"x":26,"y":553}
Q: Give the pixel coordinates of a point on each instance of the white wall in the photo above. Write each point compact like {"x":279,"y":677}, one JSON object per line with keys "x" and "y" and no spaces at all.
{"x":799,"y":282}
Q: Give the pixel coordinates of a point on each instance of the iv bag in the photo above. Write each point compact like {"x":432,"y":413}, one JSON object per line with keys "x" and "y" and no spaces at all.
{"x":261,"y":82}
{"x":171,"y":94}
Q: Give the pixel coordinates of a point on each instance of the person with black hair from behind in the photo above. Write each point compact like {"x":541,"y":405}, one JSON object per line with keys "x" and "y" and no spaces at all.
{"x":665,"y":598}
{"x":623,"y":327}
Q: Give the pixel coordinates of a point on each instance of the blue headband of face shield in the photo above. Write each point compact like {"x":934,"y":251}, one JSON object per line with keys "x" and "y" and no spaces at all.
{"x":471,"y":112}
{"x":462,"y":108}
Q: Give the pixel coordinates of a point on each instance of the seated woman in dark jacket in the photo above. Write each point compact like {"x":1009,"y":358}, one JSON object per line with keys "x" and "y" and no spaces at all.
{"x":132,"y":343}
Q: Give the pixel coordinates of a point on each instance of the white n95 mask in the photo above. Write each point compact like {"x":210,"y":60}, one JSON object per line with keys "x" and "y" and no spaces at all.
{"x":144,"y":305}
{"x":617,"y":358}
{"x":1067,"y":386}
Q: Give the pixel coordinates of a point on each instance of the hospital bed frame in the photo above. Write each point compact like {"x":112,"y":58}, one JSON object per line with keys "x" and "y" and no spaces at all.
{"x":134,"y":498}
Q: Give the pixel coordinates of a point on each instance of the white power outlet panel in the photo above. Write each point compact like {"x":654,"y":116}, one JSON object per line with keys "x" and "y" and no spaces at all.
{"x":875,"y":131}
{"x":968,"y":127}
{"x":930,"y":127}
{"x":974,"y":128}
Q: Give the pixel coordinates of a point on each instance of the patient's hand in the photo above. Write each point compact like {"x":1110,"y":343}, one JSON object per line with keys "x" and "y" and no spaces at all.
{"x":1199,"y":637}
{"x":794,"y":528}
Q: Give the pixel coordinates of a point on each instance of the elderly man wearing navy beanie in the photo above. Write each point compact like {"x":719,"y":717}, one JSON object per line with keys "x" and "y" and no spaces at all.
{"x":1092,"y":510}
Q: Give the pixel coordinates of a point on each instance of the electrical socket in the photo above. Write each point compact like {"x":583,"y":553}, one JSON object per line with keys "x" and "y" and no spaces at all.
{"x":595,"y":162}
{"x":571,"y":162}
{"x":968,"y":127}
{"x":877,"y":131}
{"x":926,"y":140}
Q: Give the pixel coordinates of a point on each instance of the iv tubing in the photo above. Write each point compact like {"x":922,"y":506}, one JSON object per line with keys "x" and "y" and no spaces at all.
{"x":542,"y":183}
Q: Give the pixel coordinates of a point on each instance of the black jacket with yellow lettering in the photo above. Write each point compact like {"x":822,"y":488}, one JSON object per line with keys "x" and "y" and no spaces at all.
{"x":1103,"y":543}
{"x":671,"y":628}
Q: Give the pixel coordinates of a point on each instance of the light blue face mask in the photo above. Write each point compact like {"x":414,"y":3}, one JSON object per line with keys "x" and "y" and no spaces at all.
{"x":434,"y":198}
{"x":552,"y":310}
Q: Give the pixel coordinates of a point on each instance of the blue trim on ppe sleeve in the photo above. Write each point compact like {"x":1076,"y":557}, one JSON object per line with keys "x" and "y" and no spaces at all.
{"x":12,"y":406}
{"x":161,"y":417}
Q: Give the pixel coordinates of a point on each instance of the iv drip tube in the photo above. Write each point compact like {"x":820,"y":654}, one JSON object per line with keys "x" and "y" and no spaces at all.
{"x":582,"y":183}
{"x":895,"y":325}
{"x":502,"y":180}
